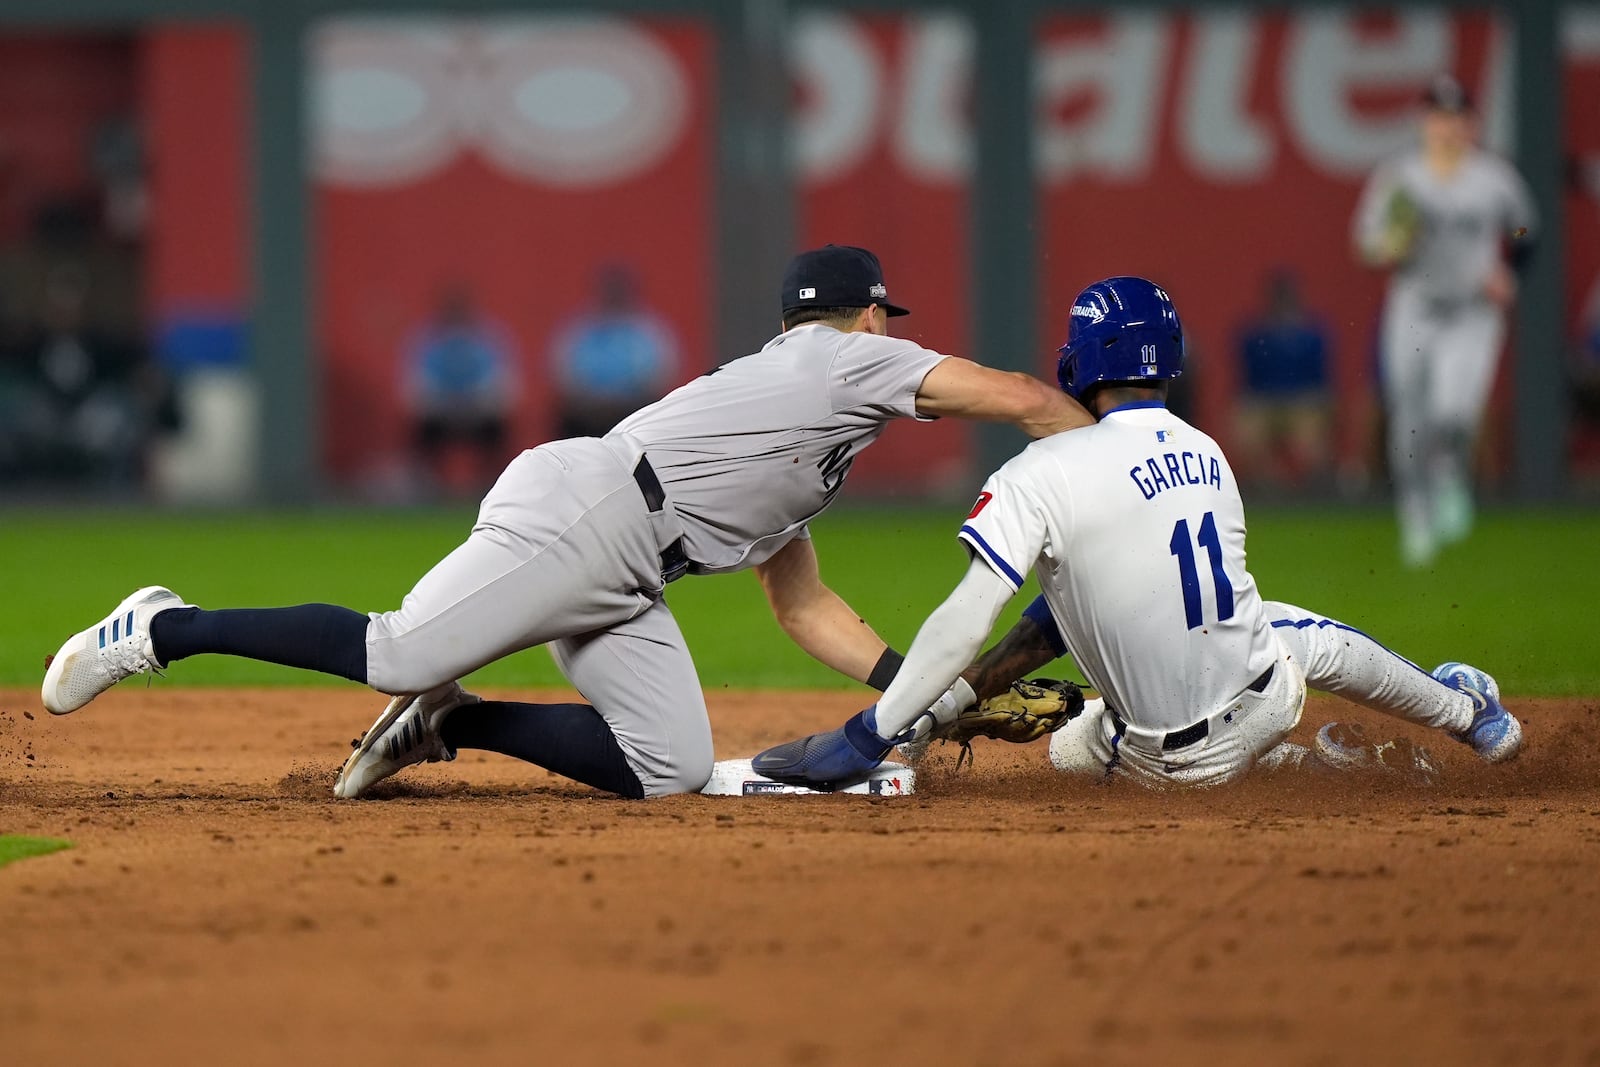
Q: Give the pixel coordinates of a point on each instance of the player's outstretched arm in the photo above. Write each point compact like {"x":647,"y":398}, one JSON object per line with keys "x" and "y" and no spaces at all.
{"x":952,"y":635}
{"x":814,"y":616}
{"x":960,"y":388}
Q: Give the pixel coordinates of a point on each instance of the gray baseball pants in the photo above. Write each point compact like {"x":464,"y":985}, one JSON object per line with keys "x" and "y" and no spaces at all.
{"x":567,"y":553}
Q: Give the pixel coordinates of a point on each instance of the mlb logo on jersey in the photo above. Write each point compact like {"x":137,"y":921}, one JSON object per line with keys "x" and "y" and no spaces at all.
{"x":1164,"y":435}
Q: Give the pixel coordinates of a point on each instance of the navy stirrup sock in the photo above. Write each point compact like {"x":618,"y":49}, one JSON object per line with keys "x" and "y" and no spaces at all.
{"x":572,"y":740}
{"x":317,"y":637}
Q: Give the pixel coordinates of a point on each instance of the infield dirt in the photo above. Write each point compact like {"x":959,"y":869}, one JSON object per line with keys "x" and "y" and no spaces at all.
{"x":221,"y":907}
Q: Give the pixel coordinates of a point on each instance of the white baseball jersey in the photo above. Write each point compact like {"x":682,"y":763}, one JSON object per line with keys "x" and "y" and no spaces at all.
{"x":1136,"y":530}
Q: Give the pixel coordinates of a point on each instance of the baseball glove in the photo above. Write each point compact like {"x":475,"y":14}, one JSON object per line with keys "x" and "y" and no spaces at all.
{"x":1025,"y":712}
{"x":1402,"y":223}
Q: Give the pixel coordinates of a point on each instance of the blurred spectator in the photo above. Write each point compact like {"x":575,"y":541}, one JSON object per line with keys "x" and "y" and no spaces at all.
{"x":613,"y":359}
{"x":461,"y":387}
{"x":1586,"y":361}
{"x":1585,"y":376}
{"x":116,"y":155}
{"x":76,"y":403}
{"x":1585,"y":175}
{"x":1284,"y":413}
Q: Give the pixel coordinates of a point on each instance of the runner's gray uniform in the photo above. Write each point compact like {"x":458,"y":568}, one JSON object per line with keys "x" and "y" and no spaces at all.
{"x":576,"y":542}
{"x":1441,"y":335}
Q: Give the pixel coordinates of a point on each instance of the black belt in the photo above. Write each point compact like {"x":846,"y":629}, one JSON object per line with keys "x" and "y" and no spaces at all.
{"x":674,"y":560}
{"x":1195,"y":731}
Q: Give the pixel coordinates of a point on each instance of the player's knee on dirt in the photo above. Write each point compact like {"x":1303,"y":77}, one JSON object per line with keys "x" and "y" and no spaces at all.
{"x":685,"y":775}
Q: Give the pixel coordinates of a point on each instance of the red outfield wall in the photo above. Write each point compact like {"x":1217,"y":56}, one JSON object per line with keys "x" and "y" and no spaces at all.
{"x":518,"y":157}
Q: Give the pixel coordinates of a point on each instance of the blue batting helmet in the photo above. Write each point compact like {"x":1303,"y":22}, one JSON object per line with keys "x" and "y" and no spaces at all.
{"x":1120,"y":330}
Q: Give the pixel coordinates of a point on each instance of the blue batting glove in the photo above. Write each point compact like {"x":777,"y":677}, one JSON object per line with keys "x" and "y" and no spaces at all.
{"x":827,"y":759}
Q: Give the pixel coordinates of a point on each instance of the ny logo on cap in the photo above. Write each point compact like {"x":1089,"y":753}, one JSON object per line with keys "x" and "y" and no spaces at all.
{"x":878,"y":291}
{"x":808,"y":293}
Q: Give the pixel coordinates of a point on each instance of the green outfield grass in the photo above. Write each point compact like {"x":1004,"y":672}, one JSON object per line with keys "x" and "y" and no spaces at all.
{"x":15,"y":847}
{"x":1518,"y":598}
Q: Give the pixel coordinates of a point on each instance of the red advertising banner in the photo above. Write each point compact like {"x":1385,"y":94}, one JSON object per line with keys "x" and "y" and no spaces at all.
{"x":524,"y":163}
{"x":881,"y":145}
{"x":1210,"y":151}
{"x":527,"y":168}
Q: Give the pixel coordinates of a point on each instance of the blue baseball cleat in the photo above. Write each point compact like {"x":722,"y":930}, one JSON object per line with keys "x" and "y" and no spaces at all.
{"x":1495,"y":734}
{"x":827,"y":759}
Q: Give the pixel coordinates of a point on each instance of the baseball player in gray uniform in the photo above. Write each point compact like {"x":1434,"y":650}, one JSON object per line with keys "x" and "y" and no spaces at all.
{"x":1449,"y":220}
{"x":577,"y":541}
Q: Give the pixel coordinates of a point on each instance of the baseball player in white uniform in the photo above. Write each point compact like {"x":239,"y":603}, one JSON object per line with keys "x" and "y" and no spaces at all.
{"x":1445,"y":219}
{"x":1135,"y":529}
{"x":576,"y":543}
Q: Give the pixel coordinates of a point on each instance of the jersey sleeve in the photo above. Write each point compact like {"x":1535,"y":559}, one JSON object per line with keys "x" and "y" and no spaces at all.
{"x":1367,"y":226}
{"x":882,"y":374}
{"x":1006,"y":527}
{"x":1521,"y":218}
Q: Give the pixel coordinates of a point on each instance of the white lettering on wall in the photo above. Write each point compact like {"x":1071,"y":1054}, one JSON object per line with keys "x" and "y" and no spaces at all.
{"x":569,"y":102}
{"x":1328,"y":63}
{"x":1122,"y":73}
{"x":1215,"y":128}
{"x":841,"y":83}
{"x":1499,"y":116}
{"x":934,"y":136}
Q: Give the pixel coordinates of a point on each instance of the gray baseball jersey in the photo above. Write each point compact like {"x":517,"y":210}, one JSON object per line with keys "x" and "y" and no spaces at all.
{"x":1464,"y":218}
{"x":751,"y":452}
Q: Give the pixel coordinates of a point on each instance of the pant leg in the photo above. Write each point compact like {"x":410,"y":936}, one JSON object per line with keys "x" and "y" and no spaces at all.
{"x":1464,"y":360}
{"x":1341,"y":659}
{"x":1407,"y":341}
{"x":563,"y":545}
{"x":640,"y":678}
{"x":1464,"y":357}
{"x":1086,"y":745}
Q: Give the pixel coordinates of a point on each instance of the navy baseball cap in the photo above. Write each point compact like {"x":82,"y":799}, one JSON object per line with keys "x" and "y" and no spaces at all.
{"x":836,"y":276}
{"x":1444,"y":93}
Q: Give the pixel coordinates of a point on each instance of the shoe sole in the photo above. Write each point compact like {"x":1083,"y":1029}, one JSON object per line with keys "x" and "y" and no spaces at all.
{"x":1345,"y":747}
{"x":396,"y":708}
{"x":56,"y":668}
{"x":1506,"y":750}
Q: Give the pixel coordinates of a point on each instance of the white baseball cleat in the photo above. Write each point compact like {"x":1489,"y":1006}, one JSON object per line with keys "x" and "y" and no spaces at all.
{"x":406,"y":733}
{"x":115,"y":648}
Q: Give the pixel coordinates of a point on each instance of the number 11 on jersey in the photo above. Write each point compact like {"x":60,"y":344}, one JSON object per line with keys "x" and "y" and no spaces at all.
{"x":1189,"y":574}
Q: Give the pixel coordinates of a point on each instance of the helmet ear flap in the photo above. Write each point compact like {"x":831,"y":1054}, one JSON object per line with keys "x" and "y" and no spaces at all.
{"x":1067,"y":369}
